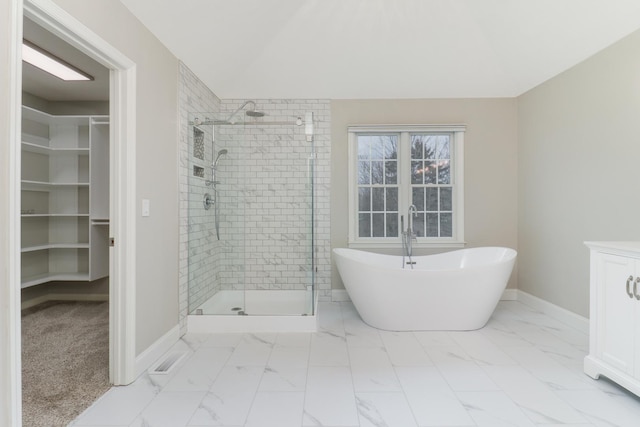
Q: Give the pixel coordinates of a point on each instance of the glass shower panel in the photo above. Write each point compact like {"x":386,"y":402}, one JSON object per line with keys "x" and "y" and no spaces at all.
{"x":277,"y":174}
{"x":216,"y":267}
{"x":252,"y":251}
{"x":231,"y":261}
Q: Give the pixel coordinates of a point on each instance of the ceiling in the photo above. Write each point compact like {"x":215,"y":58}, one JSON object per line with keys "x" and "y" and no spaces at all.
{"x":50,"y":88}
{"x":339,"y":49}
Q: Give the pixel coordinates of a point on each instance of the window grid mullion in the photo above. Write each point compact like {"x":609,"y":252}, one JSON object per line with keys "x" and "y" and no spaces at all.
{"x":404,"y":156}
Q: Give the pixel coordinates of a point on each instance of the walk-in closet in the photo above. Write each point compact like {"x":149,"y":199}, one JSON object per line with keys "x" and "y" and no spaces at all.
{"x":64,"y":229}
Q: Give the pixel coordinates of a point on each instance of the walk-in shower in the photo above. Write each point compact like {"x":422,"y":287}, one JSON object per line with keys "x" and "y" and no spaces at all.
{"x":251,"y":257}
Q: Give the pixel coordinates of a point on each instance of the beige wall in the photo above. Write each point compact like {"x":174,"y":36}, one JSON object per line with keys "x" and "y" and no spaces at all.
{"x":579,"y":151}
{"x":157,"y":161}
{"x":490,"y":161}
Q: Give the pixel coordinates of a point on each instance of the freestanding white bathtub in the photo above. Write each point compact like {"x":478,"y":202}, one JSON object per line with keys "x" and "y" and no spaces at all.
{"x":452,"y":291}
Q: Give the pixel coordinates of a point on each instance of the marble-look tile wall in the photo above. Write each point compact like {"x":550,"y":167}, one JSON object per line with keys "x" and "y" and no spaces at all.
{"x":198,"y":246}
{"x":264,"y":198}
{"x":267,"y":215}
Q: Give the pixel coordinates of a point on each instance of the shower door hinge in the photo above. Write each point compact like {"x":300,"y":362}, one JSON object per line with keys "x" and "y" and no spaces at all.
{"x":112,"y":241}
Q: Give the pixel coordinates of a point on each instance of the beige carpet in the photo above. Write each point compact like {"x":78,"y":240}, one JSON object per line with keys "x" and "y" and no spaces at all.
{"x":65,"y":360}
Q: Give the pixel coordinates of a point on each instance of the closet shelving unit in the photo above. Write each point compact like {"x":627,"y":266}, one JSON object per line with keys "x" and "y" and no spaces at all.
{"x":65,"y":197}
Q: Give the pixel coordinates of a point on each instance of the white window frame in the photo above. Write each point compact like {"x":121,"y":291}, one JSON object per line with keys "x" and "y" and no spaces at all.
{"x":404,"y":183}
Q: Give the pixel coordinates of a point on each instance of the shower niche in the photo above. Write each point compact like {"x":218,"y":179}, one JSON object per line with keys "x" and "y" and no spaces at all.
{"x":251,"y":260}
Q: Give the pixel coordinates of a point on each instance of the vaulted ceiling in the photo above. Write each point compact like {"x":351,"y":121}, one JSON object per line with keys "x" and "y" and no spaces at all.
{"x":341,"y":49}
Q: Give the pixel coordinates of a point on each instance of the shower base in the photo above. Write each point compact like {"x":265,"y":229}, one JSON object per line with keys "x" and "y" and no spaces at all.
{"x":264,"y":311}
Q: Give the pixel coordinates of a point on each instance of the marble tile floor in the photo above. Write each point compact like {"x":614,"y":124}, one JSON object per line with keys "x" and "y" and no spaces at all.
{"x":523,"y":369}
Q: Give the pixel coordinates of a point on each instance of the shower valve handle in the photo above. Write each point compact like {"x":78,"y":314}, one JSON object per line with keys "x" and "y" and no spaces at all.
{"x":208,"y":201}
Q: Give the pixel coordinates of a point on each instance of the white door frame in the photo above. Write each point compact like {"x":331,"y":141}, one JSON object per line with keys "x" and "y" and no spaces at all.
{"x":122,"y":198}
{"x":122,"y":105}
{"x":10,"y":96}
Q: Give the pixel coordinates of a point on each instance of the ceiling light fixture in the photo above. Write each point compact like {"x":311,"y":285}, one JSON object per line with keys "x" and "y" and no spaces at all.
{"x":51,"y":64}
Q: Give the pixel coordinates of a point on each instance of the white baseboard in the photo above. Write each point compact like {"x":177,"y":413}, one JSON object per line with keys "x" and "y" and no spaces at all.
{"x":155,"y":351}
{"x":339,"y":295}
{"x":565,"y":316}
{"x":63,"y":297}
{"x":509,"y":295}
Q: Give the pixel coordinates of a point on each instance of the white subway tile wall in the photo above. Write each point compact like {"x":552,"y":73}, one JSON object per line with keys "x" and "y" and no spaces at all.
{"x":264,"y":196}
{"x":268,"y":168}
{"x":197,"y":245}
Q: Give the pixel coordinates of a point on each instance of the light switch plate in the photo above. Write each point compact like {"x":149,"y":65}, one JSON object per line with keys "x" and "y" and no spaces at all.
{"x":146,"y":207}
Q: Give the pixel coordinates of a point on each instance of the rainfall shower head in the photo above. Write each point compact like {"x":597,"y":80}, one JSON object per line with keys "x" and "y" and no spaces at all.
{"x":254,"y":113}
{"x":250,"y":113}
{"x":220,"y":153}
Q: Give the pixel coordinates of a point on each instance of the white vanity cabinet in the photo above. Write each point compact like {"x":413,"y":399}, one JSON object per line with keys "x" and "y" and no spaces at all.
{"x":614,"y":326}
{"x":65,"y":197}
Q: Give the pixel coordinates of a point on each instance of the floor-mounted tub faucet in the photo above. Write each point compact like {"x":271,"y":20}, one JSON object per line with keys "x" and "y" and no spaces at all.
{"x":408,"y":236}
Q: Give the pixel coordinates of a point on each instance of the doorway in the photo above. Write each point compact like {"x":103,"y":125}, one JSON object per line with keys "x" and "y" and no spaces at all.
{"x":64,"y":216}
{"x":52,"y":18}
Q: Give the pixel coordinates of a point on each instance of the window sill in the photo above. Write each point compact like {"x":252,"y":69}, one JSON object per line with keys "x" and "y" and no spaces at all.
{"x":416,"y":245}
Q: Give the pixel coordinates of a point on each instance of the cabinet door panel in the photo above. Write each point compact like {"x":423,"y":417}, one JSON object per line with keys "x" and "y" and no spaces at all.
{"x":616,"y":331}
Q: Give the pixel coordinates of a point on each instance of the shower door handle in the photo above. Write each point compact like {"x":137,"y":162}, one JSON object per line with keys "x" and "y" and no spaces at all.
{"x":310,"y":160}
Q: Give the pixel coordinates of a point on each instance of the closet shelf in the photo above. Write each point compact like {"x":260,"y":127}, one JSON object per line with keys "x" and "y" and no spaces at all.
{"x":46,"y":186}
{"x":63,"y":277}
{"x":47,"y":246}
{"x":66,"y":215}
{"x":39,"y":141}
{"x":51,"y":119}
{"x":41,"y":149}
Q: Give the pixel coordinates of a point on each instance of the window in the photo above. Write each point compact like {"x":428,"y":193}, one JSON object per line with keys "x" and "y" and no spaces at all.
{"x":392,"y":168}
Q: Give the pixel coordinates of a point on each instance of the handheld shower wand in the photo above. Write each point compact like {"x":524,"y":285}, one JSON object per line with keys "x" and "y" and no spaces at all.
{"x":214,"y":167}
{"x":220,"y":153}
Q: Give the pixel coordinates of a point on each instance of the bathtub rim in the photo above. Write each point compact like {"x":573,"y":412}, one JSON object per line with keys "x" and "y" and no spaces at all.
{"x":511,"y":255}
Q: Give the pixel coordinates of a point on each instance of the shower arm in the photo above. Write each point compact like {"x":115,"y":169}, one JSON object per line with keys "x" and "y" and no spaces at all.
{"x":240,"y":109}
